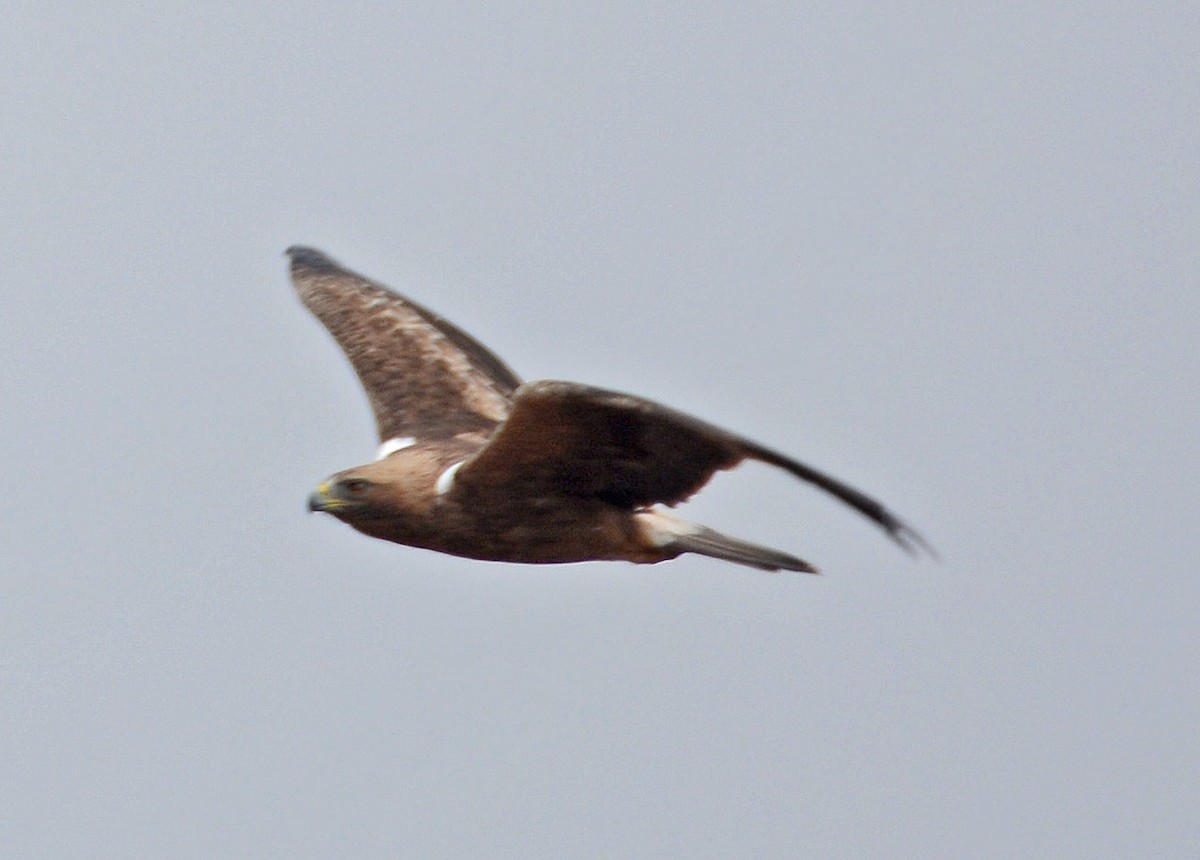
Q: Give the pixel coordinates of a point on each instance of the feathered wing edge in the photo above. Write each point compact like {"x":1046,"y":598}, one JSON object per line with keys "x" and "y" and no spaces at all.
{"x":389,"y":339}
{"x":303,"y":258}
{"x":905,"y":536}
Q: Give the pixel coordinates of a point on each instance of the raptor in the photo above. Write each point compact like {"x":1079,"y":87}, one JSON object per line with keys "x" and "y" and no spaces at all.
{"x":475,"y":463}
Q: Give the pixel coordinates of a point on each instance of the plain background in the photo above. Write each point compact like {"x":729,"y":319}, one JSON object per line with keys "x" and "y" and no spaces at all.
{"x":948,"y":253}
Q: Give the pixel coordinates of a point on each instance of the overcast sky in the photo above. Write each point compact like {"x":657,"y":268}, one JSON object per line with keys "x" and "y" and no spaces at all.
{"x":949,"y":255}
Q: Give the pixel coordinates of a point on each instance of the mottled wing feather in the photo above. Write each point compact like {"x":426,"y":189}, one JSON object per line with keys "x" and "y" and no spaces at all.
{"x":563,"y":439}
{"x":424,"y":377}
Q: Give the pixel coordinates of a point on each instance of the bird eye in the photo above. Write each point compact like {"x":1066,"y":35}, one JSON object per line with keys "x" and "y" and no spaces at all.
{"x":356,"y":486}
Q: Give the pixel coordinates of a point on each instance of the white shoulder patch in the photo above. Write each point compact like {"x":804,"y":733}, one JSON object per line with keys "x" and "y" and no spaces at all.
{"x":391,"y":446}
{"x":446,"y":479}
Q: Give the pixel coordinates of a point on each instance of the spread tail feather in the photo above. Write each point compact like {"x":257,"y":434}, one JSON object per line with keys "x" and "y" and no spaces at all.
{"x":671,"y":533}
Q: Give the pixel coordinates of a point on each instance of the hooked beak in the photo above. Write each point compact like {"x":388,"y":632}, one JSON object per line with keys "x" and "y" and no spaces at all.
{"x":321,"y":500}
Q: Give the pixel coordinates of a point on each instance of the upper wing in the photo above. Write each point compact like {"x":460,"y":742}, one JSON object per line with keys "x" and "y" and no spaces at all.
{"x":424,"y":377}
{"x":569,"y":440}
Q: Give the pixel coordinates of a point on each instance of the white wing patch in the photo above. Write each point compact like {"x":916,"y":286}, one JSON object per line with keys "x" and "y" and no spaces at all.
{"x":661,"y":528}
{"x":391,"y":446}
{"x":446,"y":479}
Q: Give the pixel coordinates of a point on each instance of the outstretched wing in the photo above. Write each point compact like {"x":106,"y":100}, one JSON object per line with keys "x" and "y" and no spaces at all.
{"x":564,"y":440}
{"x":425,"y":377}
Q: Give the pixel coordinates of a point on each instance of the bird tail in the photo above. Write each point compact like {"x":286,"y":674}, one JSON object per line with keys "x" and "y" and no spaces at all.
{"x":674,"y":536}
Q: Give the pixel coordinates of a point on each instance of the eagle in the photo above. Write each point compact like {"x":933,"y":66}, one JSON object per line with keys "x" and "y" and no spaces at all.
{"x":475,"y":463}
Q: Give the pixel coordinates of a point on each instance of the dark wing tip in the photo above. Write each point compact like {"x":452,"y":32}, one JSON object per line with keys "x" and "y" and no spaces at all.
{"x":303,"y":257}
{"x":799,"y":565}
{"x":905,"y":536}
{"x":910,"y":539}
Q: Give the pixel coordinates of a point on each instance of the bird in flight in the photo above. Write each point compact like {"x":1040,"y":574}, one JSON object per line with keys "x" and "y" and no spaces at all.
{"x":474,"y":463}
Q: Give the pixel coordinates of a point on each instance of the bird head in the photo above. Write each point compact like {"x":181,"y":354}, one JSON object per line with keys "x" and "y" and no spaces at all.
{"x":388,"y":498}
{"x":345,"y":495}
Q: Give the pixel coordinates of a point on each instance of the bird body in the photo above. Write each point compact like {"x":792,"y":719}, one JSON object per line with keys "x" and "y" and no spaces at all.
{"x":474,"y":463}
{"x":417,"y":500}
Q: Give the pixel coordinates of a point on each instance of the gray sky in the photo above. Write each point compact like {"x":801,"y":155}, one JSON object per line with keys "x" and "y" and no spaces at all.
{"x":949,"y":255}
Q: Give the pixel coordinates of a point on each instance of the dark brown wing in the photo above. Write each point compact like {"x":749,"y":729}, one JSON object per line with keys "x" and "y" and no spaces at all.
{"x":425,"y":378}
{"x":568,"y":440}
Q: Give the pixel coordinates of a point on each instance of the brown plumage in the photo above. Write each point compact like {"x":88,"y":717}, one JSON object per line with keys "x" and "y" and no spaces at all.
{"x":473,"y":463}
